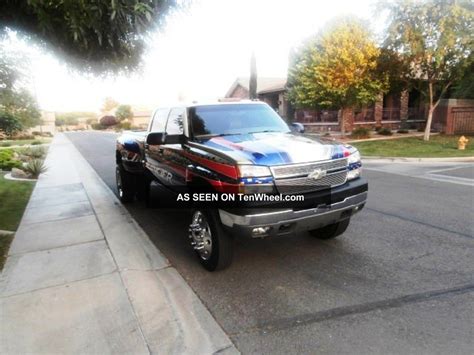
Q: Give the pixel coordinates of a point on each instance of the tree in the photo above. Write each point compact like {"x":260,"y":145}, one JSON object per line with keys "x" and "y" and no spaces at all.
{"x":336,"y":69}
{"x":464,"y":88}
{"x":253,"y":77}
{"x":434,"y":40}
{"x":72,"y":118}
{"x":109,"y":104}
{"x":107,"y":121}
{"x":14,"y":95}
{"x":100,"y":35}
{"x":9,"y":123}
{"x":124,"y":112}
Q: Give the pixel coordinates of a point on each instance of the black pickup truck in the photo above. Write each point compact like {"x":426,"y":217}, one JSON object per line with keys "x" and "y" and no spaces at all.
{"x":242,"y":147}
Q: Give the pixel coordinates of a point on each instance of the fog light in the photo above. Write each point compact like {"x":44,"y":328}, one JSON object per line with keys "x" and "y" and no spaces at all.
{"x":260,"y":231}
{"x":353,"y":174}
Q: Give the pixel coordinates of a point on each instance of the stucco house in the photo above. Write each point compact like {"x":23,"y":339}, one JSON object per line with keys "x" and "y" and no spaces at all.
{"x":394,"y":110}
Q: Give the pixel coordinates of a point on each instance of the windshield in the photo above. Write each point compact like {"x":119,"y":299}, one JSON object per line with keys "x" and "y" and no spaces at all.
{"x":216,"y":120}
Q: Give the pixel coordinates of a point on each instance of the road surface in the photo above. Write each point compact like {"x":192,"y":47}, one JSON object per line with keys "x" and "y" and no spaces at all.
{"x":400,"y":280}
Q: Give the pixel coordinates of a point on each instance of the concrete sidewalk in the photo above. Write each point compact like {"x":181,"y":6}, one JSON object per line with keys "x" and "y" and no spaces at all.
{"x":83,"y":277}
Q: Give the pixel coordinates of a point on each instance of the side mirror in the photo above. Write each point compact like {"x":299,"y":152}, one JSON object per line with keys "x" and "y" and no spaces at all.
{"x":174,"y":139}
{"x":297,"y":127}
{"x":155,"y":138}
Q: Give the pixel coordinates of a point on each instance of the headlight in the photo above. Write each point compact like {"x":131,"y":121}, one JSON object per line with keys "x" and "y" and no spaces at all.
{"x":254,"y":171}
{"x":255,"y":179}
{"x":354,"y":166}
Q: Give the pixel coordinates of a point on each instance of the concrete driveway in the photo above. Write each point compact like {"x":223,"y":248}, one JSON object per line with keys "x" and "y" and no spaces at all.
{"x":400,"y":280}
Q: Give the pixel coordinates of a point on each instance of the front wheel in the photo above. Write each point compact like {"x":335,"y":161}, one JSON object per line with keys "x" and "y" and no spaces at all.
{"x":213,"y":246}
{"x":331,"y":231}
{"x":125,"y":184}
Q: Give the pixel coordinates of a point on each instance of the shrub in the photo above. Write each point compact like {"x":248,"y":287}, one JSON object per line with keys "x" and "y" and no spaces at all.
{"x":34,"y":168}
{"x":5,"y":144}
{"x":97,"y":126}
{"x":108,"y":121}
{"x":9,"y":123}
{"x":385,"y":132}
{"x":125,"y":125}
{"x":360,"y":133}
{"x":36,"y":143}
{"x":402,"y":130}
{"x":23,"y":136}
{"x":35,"y":153}
{"x":7,"y":160}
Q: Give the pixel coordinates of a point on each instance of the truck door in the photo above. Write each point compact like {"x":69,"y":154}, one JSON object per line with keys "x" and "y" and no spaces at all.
{"x":154,"y":153}
{"x":173,"y":161}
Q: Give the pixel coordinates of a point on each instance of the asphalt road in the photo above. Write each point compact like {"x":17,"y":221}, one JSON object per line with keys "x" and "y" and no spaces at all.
{"x":400,"y":280}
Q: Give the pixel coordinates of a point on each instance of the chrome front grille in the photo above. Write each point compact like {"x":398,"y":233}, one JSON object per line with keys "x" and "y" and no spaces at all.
{"x":294,"y":179}
{"x":298,"y":170}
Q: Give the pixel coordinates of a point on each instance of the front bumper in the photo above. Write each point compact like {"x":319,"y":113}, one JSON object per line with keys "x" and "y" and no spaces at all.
{"x":282,"y":222}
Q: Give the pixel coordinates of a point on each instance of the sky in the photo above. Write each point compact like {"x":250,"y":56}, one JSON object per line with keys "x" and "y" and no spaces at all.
{"x":198,"y":55}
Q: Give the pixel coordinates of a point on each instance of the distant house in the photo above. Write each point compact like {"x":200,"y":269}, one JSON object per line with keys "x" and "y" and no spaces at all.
{"x":270,"y":90}
{"x":393,"y":110}
{"x":48,"y":123}
{"x":141,"y":118}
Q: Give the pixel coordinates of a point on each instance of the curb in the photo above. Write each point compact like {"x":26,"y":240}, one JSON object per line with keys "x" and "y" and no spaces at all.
{"x":421,"y":160}
{"x":10,"y":177}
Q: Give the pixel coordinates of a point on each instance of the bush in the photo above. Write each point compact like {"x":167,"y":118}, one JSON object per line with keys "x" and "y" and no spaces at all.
{"x":7,"y":161}
{"x":5,"y":144}
{"x":36,"y":143}
{"x":360,"y":133}
{"x":402,"y":130}
{"x":125,"y":125}
{"x":385,"y":132}
{"x":23,"y":136}
{"x":97,"y":126}
{"x":108,"y":121}
{"x":34,"y":168}
{"x":34,"y":153}
{"x":9,"y":123}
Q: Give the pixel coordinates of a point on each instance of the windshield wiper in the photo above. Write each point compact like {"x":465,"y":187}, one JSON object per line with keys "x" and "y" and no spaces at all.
{"x":209,"y":136}
{"x":266,"y":131}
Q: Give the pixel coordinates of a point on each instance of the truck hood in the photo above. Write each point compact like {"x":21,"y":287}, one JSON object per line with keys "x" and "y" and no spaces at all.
{"x":275,"y":148}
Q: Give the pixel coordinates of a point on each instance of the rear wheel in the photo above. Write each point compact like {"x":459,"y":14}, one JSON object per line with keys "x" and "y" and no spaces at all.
{"x":125,"y":184}
{"x":331,"y":231}
{"x":213,"y":246}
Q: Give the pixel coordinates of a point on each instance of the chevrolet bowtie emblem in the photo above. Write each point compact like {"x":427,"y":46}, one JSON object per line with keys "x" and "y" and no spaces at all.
{"x":317,"y":174}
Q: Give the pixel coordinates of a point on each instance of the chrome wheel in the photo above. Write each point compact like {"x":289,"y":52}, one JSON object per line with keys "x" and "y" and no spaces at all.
{"x":200,"y":235}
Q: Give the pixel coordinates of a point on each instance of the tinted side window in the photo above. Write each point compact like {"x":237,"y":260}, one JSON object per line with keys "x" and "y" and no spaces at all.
{"x":159,"y":120}
{"x":175,"y":121}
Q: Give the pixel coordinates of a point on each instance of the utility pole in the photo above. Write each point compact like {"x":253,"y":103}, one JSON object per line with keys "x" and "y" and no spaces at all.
{"x":253,"y":77}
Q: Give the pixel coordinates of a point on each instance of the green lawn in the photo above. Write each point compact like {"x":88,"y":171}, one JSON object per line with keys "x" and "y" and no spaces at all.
{"x":12,"y":142}
{"x":438,"y":146}
{"x":14,"y":196}
{"x":5,"y":241}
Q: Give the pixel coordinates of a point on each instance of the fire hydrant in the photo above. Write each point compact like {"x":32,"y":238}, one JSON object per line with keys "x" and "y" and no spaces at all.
{"x":462,"y":142}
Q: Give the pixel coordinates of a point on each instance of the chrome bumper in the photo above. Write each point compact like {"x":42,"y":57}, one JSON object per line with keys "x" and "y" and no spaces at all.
{"x":289,"y":221}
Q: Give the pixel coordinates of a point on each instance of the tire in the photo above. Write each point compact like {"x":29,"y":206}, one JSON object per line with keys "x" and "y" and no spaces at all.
{"x":331,"y":231}
{"x":212,"y":245}
{"x":125,"y":184}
